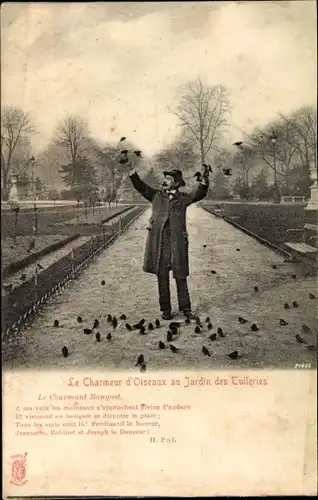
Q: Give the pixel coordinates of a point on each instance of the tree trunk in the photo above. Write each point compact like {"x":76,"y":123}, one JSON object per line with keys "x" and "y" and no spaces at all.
{"x":201,"y":151}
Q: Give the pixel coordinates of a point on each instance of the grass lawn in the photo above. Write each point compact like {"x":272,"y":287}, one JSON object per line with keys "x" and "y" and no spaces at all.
{"x":14,"y":252}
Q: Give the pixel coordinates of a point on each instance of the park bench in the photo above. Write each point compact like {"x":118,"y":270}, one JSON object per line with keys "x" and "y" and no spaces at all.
{"x":304,"y":247}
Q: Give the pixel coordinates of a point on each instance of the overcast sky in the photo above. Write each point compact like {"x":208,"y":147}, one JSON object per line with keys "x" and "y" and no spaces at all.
{"x":119,"y":64}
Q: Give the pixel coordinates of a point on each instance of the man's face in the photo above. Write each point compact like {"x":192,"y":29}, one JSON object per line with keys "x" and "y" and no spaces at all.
{"x":169,"y":182}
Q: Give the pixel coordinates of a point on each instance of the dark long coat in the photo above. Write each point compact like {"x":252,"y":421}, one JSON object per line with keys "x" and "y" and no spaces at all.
{"x":162,"y":209}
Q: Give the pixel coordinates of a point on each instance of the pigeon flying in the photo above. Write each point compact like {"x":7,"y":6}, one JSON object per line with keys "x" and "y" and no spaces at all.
{"x":122,"y":139}
{"x":238,"y":143}
{"x":227,"y":171}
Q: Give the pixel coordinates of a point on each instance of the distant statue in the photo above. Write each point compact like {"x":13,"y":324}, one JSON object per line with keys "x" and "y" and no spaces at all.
{"x":13,"y":193}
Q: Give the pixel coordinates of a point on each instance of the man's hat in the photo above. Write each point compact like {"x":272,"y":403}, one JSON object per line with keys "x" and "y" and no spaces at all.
{"x":177,"y":175}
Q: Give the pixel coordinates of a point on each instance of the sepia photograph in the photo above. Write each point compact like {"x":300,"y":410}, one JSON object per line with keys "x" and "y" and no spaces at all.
{"x":159,"y":206}
{"x":159,"y":185}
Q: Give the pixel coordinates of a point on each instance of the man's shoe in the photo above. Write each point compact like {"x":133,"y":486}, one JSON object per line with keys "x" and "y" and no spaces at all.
{"x":189,"y":315}
{"x":166,"y":315}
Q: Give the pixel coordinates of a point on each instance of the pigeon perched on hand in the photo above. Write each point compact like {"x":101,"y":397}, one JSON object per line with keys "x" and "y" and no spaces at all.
{"x":123,"y":157}
{"x":207,"y":167}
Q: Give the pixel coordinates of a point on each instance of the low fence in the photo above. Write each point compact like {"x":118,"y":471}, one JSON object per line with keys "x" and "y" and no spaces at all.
{"x":23,"y":303}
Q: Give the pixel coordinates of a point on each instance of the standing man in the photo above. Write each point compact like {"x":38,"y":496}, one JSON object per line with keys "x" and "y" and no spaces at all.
{"x":167,"y":242}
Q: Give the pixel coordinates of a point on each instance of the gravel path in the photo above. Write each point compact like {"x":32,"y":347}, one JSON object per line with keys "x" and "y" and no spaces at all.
{"x":223,"y":296}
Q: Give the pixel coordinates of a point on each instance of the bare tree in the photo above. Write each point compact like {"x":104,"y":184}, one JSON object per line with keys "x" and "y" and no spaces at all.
{"x":302,"y":137}
{"x":111,"y":171}
{"x":203,"y":112}
{"x":71,"y":133}
{"x":16,"y":128}
{"x":245,"y":160}
{"x":295,"y":143}
{"x":180,"y":154}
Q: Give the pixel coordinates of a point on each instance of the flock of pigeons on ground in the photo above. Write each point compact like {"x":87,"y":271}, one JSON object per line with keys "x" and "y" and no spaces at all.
{"x":144,"y":328}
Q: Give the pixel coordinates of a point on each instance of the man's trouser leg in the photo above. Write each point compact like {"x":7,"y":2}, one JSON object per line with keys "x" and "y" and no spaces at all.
{"x":183,"y":295}
{"x":164,"y":292}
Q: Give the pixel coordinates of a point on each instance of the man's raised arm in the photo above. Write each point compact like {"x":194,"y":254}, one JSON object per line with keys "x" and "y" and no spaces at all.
{"x":146,"y":191}
{"x":199,"y":193}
